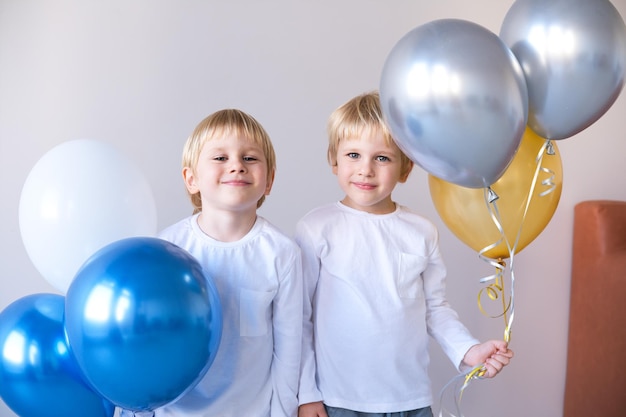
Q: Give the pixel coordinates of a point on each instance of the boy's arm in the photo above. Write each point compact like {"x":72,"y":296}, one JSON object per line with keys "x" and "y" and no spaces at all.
{"x":308,"y":391}
{"x":287,"y":329}
{"x":312,"y":410}
{"x":442,"y":320}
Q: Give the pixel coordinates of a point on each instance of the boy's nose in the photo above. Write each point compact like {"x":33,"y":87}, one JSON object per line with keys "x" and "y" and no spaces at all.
{"x":237,"y":166}
{"x":365,"y":169}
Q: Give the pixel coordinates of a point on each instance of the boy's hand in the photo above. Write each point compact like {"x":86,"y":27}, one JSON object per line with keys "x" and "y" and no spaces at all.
{"x":312,"y":410}
{"x":493,"y":354}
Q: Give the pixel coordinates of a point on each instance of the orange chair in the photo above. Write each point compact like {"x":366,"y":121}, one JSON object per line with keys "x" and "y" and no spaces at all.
{"x":595,"y":382}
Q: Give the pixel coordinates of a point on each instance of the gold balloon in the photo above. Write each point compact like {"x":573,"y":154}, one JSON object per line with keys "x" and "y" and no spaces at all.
{"x":466,"y":213}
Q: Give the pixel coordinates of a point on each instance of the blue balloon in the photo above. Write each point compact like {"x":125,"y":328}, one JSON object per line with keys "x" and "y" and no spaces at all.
{"x":144,"y":322}
{"x":39,"y":377}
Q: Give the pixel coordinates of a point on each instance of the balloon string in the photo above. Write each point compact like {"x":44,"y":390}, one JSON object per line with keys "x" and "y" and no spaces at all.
{"x":546,"y":148}
{"x":549,"y":182}
{"x":495,"y":289}
{"x":459,"y":383}
{"x":457,"y":386}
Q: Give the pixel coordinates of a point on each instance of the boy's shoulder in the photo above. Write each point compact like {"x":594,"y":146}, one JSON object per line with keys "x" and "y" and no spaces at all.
{"x":323,"y":209}
{"x":176,"y":228}
{"x":320,"y":213}
{"x":273,"y":233}
{"x":412,"y":217}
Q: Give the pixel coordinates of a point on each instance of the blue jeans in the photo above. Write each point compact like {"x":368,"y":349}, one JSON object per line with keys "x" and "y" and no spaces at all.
{"x":342,"y":412}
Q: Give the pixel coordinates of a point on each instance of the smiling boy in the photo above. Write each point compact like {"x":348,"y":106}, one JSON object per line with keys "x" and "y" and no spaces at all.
{"x":228,"y":170}
{"x":374,"y":284}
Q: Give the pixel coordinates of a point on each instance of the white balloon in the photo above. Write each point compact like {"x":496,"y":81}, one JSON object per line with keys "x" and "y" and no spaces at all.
{"x":80,"y":196}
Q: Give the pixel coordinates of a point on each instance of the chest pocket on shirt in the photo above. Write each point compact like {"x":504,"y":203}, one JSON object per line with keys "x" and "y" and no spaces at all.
{"x":409,"y":280}
{"x":255,"y":312}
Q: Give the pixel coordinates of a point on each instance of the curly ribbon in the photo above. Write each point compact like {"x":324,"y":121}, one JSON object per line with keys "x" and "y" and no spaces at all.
{"x":495,"y":288}
{"x":494,"y":291}
{"x":457,"y":386}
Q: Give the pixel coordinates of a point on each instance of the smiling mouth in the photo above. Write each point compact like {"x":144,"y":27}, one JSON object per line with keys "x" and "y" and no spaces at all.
{"x":364,"y":186}
{"x":236,"y":183}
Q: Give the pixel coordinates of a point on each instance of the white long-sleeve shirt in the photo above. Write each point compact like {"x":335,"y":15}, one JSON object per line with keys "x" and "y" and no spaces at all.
{"x":374,"y":291}
{"x":259,"y":281}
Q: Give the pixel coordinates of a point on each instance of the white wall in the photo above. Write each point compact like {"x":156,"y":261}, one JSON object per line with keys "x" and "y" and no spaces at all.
{"x":141,"y":74}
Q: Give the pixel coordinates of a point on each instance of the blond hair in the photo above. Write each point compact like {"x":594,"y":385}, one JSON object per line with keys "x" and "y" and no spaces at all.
{"x":226,"y":122}
{"x":353,"y":119}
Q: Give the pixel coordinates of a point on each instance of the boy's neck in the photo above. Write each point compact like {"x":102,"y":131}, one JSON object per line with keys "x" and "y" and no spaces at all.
{"x":226,"y":226}
{"x":384,"y":207}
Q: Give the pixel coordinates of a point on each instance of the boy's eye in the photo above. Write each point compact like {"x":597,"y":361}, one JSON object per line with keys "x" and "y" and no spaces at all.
{"x":353,"y":155}
{"x":382,"y":158}
{"x":249,"y":158}
{"x":219,"y":158}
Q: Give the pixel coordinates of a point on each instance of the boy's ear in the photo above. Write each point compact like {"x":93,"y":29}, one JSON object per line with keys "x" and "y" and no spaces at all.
{"x":334,"y":167}
{"x":270,"y":182}
{"x":190,"y":180}
{"x":405,"y":175}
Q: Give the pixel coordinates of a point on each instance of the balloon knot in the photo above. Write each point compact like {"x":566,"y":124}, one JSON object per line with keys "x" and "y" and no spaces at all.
{"x":492,"y":195}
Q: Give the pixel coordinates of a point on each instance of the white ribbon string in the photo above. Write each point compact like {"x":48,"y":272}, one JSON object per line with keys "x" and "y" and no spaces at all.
{"x":459,"y":383}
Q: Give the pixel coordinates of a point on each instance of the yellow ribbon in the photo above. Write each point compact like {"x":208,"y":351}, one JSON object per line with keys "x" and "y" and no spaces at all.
{"x":495,"y":288}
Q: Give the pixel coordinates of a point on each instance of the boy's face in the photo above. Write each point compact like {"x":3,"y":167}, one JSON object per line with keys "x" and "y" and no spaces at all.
{"x":231,"y":174}
{"x":368,"y":170}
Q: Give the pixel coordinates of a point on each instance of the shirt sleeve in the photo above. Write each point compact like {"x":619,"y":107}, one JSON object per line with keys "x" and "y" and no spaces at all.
{"x":442,"y":320}
{"x":287,"y":328}
{"x":308,"y":391}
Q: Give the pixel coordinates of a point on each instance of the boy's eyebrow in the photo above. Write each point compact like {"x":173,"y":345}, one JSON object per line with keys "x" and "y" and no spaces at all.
{"x":356,"y":148}
{"x":255,"y":148}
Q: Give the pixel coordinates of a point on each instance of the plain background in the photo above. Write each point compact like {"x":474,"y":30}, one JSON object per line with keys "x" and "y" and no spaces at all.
{"x":141,"y":74}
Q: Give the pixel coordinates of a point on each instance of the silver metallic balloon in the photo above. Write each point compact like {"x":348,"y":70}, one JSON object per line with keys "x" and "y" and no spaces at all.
{"x":573,"y":54}
{"x":455,"y":99}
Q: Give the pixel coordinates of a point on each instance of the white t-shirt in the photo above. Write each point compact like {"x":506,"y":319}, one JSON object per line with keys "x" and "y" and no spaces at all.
{"x":259,"y":281}
{"x":374,"y":291}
